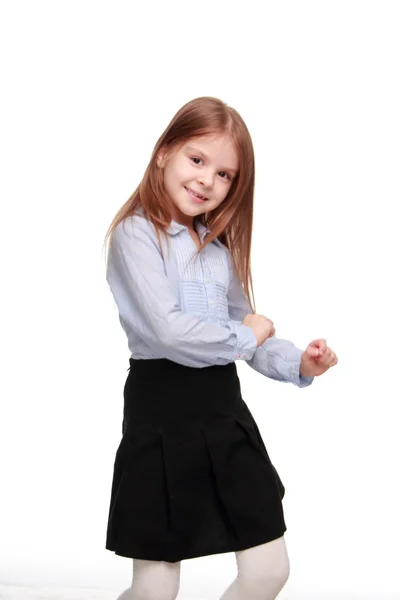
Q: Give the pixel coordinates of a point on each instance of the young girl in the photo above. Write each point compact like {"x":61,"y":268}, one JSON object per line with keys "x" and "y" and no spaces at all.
{"x":192,"y":476}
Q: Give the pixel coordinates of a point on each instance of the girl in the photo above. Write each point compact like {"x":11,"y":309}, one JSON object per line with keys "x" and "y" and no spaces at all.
{"x":192,"y":476}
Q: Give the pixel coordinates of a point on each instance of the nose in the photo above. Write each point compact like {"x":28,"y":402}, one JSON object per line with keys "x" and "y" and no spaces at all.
{"x":205,"y":179}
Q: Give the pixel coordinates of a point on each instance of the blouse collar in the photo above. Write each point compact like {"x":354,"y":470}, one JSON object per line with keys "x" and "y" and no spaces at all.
{"x":201,"y":229}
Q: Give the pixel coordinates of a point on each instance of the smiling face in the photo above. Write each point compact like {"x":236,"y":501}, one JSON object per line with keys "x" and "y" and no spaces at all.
{"x":198,"y":175}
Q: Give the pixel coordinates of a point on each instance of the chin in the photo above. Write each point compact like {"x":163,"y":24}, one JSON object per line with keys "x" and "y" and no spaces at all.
{"x":192,"y":210}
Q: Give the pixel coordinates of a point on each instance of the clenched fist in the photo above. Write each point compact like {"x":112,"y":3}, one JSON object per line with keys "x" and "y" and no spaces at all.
{"x":263,"y":328}
{"x":317,"y":359}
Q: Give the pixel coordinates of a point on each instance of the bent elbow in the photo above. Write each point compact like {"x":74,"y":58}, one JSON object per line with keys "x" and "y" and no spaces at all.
{"x":167,"y":339}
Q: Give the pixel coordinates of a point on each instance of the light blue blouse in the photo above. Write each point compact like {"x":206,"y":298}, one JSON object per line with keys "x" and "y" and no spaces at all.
{"x":188,"y":311}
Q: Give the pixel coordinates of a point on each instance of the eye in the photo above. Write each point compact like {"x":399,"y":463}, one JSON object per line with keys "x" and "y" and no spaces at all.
{"x":224,"y":175}
{"x":194,"y":159}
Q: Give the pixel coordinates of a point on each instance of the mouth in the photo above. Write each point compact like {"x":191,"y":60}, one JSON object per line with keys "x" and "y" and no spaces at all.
{"x":195,"y":195}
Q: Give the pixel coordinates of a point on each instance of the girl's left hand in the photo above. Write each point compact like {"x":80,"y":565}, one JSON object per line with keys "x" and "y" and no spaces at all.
{"x":317,"y":359}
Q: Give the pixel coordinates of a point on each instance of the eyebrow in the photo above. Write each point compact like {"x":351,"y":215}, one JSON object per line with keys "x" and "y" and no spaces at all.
{"x":197,"y":151}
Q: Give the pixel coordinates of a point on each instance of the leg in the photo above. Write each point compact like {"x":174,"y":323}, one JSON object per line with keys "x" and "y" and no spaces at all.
{"x":262,"y":572}
{"x":153,"y":580}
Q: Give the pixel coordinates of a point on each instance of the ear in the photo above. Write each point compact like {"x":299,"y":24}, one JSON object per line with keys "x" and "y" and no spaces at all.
{"x":161,"y":158}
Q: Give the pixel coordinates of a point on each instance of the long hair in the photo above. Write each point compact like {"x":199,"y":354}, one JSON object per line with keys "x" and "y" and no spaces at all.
{"x":232,"y":221}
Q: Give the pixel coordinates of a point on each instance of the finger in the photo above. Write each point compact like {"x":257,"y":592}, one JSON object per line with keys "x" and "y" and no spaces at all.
{"x":329,"y":359}
{"x":320,"y":345}
{"x":326,"y":358}
{"x":312,"y":351}
{"x":333,"y":361}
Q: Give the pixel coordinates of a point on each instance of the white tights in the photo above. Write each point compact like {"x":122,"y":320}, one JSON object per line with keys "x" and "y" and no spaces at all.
{"x":262,"y":572}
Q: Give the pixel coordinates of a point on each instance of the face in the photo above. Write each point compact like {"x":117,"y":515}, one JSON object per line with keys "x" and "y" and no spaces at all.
{"x":198,"y":175}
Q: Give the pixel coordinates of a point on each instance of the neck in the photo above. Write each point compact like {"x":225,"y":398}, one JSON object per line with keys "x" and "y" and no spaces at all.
{"x":188,"y":222}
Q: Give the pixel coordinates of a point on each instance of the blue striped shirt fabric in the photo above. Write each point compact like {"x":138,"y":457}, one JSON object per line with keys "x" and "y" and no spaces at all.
{"x":188,"y":310}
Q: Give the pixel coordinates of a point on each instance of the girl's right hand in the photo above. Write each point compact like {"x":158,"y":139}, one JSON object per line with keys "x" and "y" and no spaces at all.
{"x":263,"y":328}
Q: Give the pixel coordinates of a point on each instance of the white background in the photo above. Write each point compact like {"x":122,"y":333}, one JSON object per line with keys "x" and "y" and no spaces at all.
{"x":87,"y":88}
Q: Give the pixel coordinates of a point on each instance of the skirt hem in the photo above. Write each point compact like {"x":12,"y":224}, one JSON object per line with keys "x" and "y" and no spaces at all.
{"x":206,"y":552}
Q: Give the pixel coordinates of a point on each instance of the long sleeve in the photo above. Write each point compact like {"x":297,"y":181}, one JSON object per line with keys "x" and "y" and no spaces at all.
{"x":148,"y":306}
{"x":277,"y":358}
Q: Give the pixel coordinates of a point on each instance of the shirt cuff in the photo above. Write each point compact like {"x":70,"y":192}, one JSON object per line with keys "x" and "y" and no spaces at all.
{"x":246,"y":342}
{"x":304,"y":381}
{"x":296,"y":378}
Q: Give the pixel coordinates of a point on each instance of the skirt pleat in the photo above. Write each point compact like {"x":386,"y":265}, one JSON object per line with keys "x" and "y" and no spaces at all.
{"x":192,"y":476}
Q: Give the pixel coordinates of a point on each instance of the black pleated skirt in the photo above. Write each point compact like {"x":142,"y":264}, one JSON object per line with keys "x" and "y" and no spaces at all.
{"x":192,"y":476}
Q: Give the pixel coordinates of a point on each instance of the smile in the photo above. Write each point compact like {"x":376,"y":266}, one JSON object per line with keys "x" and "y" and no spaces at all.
{"x":195,"y":195}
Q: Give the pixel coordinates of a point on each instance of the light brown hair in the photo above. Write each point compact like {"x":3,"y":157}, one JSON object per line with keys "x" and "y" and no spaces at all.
{"x":232,"y":221}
